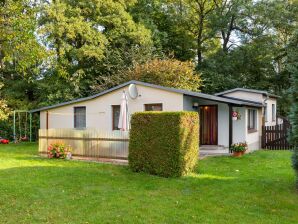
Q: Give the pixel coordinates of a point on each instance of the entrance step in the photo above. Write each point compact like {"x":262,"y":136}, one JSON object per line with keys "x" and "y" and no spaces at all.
{"x":213,"y":150}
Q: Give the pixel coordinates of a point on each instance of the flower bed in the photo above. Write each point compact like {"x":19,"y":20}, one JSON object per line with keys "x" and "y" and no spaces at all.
{"x":59,"y":150}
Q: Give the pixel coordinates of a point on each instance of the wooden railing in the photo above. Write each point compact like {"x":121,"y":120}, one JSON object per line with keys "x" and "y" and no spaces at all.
{"x":88,"y":142}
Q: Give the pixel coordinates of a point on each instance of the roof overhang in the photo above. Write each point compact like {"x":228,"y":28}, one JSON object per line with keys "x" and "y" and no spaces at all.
{"x":265,"y":93}
{"x":236,"y":102}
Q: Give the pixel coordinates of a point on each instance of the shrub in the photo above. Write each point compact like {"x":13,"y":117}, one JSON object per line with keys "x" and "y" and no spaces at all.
{"x":58,"y":150}
{"x":164,"y":143}
{"x":169,"y":73}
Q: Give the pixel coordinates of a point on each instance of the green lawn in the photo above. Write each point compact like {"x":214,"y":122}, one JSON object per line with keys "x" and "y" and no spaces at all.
{"x":258,"y":188}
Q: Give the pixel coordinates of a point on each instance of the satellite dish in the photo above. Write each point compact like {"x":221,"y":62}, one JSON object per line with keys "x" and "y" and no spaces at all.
{"x":133,"y":91}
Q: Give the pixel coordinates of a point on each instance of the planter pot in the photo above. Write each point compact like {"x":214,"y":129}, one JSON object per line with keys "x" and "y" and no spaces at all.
{"x":234,"y":118}
{"x":243,"y":152}
{"x":237,"y":154}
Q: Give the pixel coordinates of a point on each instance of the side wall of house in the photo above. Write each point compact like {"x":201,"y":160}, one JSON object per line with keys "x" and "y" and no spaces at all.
{"x":240,"y":130}
{"x":270,"y":120}
{"x":239,"y":126}
{"x":253,"y":139}
{"x":257,"y":97}
{"x":99,"y":110}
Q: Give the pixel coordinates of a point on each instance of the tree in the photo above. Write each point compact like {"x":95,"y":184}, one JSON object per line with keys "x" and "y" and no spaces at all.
{"x":82,"y":37}
{"x":292,"y":67}
{"x":169,"y":73}
{"x":20,"y":52}
{"x":4,"y":110}
{"x":79,"y":32}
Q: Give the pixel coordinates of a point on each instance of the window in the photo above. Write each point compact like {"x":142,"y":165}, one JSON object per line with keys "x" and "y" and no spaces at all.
{"x":252,"y":120}
{"x":265,"y":112}
{"x":80,"y":117}
{"x":153,"y":107}
{"x":273,"y":112}
{"x":115,"y":116}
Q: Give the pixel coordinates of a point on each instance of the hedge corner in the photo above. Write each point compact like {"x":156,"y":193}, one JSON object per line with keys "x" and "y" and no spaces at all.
{"x":164,"y":143}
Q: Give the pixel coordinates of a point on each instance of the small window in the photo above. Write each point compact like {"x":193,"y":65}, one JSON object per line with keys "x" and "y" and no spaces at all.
{"x":115,"y":116}
{"x":273,"y":112}
{"x":252,"y":120}
{"x":265,"y":112}
{"x":153,"y":107}
{"x":80,"y":117}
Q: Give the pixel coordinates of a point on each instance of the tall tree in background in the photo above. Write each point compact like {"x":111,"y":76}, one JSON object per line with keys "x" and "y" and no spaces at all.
{"x":292,"y":67}
{"x":255,"y":56}
{"x":82,"y":35}
{"x":20,"y":53}
{"x":167,"y":21}
{"x":80,"y":44}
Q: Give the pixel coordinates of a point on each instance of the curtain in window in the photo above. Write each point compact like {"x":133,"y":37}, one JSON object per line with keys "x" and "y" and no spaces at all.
{"x":116,"y":114}
{"x":251,"y":119}
{"x":80,"y":117}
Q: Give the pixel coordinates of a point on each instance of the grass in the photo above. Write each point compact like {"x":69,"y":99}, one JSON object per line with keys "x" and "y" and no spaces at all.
{"x":257,"y":188}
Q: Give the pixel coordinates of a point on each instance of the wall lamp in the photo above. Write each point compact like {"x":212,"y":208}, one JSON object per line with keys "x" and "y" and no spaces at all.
{"x":195,"y":105}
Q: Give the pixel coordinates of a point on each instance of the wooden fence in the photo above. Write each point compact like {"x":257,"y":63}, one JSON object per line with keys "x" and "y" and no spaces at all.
{"x":87,"y":143}
{"x":276,"y":137}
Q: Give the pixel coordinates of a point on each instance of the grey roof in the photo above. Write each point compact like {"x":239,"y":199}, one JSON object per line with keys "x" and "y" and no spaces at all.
{"x":247,"y":90}
{"x":238,"y":102}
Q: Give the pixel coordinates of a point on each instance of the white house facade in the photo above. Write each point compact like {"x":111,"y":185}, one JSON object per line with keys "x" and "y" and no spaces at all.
{"x":101,"y":111}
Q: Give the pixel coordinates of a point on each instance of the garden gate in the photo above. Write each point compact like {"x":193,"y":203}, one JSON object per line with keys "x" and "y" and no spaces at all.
{"x":276,"y":137}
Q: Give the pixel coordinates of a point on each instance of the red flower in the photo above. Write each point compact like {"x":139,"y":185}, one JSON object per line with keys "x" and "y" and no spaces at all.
{"x":234,"y":114}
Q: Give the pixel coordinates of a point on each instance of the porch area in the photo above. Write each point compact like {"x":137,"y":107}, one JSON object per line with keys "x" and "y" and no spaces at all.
{"x":213,"y":150}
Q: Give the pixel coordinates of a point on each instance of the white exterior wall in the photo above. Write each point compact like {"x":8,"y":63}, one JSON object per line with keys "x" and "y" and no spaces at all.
{"x":240,"y":126}
{"x":240,"y":130}
{"x":254,"y":139}
{"x":99,"y":110}
{"x":257,"y":97}
{"x":270,"y":120}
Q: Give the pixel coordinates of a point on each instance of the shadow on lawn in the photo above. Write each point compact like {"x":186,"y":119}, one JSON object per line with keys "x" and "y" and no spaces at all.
{"x":75,"y":177}
{"x":73,"y":173}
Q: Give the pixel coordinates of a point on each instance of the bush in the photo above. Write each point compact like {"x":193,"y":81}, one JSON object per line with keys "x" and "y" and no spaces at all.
{"x":239,"y":147}
{"x":58,"y":150}
{"x":164,"y":143}
{"x":169,"y":73}
{"x":295,"y":163}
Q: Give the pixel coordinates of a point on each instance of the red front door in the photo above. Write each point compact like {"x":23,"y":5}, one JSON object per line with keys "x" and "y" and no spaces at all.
{"x":208,"y":125}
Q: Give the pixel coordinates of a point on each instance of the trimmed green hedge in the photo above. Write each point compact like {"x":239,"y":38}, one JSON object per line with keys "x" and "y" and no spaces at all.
{"x":164,"y":143}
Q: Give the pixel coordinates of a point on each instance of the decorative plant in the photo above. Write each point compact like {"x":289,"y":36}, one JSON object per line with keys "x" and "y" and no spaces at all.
{"x":236,"y":115}
{"x":239,"y":147}
{"x":58,"y":150}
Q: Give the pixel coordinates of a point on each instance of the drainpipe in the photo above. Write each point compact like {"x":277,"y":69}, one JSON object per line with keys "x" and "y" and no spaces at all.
{"x":230,"y":127}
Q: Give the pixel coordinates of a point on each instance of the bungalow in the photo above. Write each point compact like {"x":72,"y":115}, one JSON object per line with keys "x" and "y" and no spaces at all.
{"x":250,"y":109}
